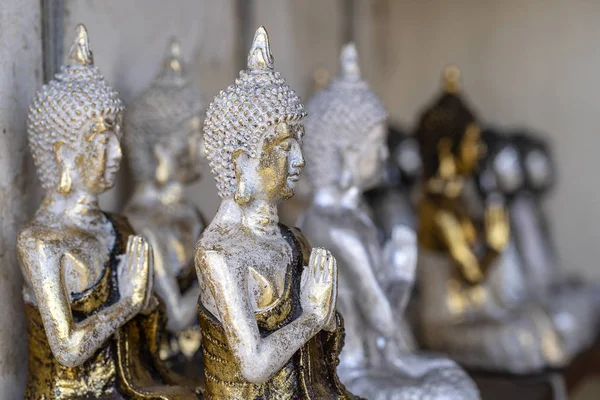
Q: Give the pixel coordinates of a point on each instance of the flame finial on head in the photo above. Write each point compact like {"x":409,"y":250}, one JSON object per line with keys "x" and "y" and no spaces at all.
{"x":349,"y":61}
{"x":80,"y":53}
{"x":173,"y":63}
{"x":451,"y":79}
{"x":259,"y":56}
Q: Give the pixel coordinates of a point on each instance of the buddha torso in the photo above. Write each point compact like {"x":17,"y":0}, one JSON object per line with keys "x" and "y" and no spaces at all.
{"x":262,"y":270}
{"x":274,"y":295}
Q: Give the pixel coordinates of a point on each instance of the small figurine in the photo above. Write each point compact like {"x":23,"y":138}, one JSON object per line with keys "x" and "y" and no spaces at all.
{"x":393,"y":203}
{"x":345,"y":143}
{"x":572,"y":303}
{"x":392,"y":200}
{"x":165,"y":146}
{"x":92,"y":321}
{"x":472,"y":291}
{"x":267,"y":303}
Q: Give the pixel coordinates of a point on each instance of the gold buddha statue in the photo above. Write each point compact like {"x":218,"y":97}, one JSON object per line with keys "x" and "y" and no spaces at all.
{"x":164,"y":143}
{"x":267,"y":301}
{"x":473,"y":299}
{"x":94,"y":326}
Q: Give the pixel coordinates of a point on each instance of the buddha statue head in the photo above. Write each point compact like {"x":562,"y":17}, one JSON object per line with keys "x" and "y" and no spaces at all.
{"x":74,"y":126}
{"x":253,"y":132}
{"x":346,"y":130}
{"x":500,"y":170}
{"x":163,"y":124}
{"x":449,"y":137}
{"x":536,"y":162}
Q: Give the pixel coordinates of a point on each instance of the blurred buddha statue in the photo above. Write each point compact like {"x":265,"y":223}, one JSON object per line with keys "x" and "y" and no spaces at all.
{"x":267,"y":301}
{"x":572,"y":303}
{"x":393,"y":199}
{"x":93,"y":324}
{"x":345,"y":141}
{"x":472,"y":290}
{"x":165,"y":147}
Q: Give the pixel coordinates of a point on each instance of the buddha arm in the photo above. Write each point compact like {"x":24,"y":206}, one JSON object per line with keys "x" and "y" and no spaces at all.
{"x":72,"y":343}
{"x":258,"y":358}
{"x":460,"y":251}
{"x":182,"y":308}
{"x":358,"y":266}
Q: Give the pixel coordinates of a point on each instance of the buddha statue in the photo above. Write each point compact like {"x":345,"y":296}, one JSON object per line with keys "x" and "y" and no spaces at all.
{"x":164,"y":143}
{"x":571,"y":302}
{"x":393,"y":199}
{"x":473,"y":298}
{"x":93,"y":324}
{"x":345,"y":144}
{"x":267,"y":301}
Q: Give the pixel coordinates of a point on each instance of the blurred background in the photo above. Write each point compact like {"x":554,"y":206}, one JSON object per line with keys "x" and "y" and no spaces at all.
{"x":524,"y":63}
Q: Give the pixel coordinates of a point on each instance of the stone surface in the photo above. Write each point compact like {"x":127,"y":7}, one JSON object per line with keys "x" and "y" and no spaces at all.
{"x":21,"y":74}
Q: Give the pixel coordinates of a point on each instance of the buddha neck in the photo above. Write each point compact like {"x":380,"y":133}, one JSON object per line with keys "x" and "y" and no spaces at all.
{"x":336,"y":197}
{"x":149,"y":192}
{"x":259,"y":216}
{"x":75,"y":208}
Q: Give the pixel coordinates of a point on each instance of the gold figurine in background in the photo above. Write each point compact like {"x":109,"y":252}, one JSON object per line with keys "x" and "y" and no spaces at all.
{"x":93,"y":323}
{"x":267,"y":303}
{"x":474,"y":304}
{"x":164,"y":144}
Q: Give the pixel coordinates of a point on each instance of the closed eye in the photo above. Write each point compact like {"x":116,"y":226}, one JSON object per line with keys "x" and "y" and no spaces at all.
{"x":286,"y":145}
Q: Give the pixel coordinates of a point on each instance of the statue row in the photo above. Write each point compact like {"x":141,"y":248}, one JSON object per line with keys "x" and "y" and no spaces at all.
{"x":161,"y":305}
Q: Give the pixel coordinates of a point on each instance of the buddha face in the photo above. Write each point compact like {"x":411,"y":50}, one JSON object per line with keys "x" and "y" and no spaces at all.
{"x":94,"y":164}
{"x":272,"y":175}
{"x":180,"y":157}
{"x":407,"y":158}
{"x":365,"y":159}
{"x":538,"y":169}
{"x":471,"y":149}
{"x":507,"y":170}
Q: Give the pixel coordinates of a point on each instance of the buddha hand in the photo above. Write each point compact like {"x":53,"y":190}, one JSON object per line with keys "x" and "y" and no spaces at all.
{"x":497,"y":227}
{"x":318,"y":294}
{"x":135,"y":272}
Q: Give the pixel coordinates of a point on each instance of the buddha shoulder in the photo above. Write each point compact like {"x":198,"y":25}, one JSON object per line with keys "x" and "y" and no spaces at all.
{"x":36,"y":241}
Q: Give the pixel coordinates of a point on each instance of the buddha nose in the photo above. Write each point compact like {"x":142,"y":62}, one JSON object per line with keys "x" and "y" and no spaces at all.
{"x":298,"y":159}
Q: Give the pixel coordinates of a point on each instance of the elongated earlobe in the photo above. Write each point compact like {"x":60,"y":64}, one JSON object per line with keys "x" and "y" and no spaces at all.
{"x":243,"y":193}
{"x":65,"y":181}
{"x":447,"y":165}
{"x":161,"y":174}
{"x":345,"y":177}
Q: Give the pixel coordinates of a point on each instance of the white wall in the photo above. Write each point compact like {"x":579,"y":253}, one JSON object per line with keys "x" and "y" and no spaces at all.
{"x":20,"y":74}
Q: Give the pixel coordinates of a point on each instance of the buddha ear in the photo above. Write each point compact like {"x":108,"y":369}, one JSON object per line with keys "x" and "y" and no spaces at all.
{"x":345,"y":178}
{"x":64,"y":158}
{"x":163,"y":164}
{"x":243,"y":193}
